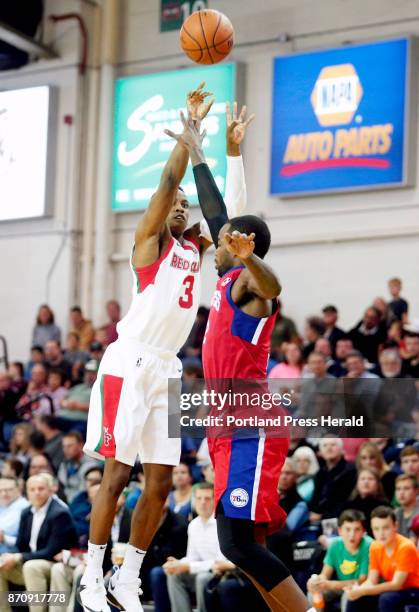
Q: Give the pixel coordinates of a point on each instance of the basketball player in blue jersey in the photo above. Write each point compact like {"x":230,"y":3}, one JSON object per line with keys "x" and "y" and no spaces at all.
{"x":128,"y":407}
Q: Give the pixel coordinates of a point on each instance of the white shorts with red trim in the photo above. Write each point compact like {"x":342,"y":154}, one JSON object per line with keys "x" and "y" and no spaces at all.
{"x":128,"y":413}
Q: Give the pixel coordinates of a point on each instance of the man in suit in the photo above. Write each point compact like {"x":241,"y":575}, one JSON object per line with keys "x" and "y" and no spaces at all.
{"x":45,"y":529}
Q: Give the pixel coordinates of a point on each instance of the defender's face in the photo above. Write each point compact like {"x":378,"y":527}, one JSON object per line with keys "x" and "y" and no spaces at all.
{"x":179,"y":215}
{"x":224,"y":260}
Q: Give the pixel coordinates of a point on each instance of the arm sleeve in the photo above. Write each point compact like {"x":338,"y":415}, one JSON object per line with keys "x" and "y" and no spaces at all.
{"x":406,"y":559}
{"x":297,"y":517}
{"x":374,"y":564}
{"x":330,"y":558}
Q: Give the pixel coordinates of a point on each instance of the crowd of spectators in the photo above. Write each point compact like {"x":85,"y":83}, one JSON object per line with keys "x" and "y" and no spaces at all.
{"x":352,"y":529}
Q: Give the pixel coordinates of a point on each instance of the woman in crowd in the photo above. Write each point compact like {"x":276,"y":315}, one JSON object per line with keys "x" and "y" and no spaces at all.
{"x":292,"y":365}
{"x":20,"y":442}
{"x":370,"y":456}
{"x":180,"y":498}
{"x":367,"y":495}
{"x":45,"y":328}
{"x":307,"y":466}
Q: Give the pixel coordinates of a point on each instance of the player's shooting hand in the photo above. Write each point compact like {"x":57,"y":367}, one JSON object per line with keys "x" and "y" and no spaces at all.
{"x":240,"y":245}
{"x":236,"y":127}
{"x":197,"y":107}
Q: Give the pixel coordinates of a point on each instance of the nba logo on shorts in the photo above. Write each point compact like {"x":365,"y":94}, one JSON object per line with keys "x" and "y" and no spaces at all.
{"x":239,"y":498}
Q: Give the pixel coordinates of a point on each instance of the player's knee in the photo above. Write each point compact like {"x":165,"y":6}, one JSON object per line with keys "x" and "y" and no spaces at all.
{"x":232,"y":552}
{"x":157,"y":489}
{"x":114,"y":485}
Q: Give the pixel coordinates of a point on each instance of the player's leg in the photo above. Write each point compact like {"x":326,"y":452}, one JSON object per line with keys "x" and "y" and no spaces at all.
{"x":115,"y":478}
{"x":124,"y":586}
{"x":269,"y":575}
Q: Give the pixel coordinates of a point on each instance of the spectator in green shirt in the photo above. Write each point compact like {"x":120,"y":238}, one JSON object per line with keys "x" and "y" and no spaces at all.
{"x":346,"y":559}
{"x":75,"y":405}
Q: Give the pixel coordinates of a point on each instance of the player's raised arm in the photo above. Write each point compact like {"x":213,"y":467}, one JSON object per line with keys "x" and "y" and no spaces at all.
{"x":235,"y":194}
{"x":257,"y":278}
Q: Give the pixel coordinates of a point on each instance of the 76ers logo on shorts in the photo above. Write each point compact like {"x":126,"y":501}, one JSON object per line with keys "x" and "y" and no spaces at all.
{"x":239,"y":498}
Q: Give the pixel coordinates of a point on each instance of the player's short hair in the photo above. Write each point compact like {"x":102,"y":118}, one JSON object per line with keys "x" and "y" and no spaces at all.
{"x":317,"y":324}
{"x":250,"y":223}
{"x":408,"y":451}
{"x":405,"y":478}
{"x":383,"y":512}
{"x":351,"y":516}
{"x":76,"y":309}
{"x":330,"y":308}
{"x":395,"y":281}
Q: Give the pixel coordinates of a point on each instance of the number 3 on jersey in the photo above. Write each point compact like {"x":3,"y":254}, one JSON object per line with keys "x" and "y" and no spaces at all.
{"x":186,"y":300}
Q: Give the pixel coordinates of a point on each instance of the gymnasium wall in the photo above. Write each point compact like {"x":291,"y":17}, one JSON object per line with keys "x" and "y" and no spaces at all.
{"x":336,"y":248}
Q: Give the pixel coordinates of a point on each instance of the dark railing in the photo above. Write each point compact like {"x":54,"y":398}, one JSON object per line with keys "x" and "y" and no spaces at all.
{"x":25,"y":408}
{"x":4,"y":358}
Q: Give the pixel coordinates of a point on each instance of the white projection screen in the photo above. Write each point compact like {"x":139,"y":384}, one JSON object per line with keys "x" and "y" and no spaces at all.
{"x":26,"y":152}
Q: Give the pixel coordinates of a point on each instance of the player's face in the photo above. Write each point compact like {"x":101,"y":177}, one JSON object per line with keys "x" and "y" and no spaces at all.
{"x":179,"y":215}
{"x":224,"y":260}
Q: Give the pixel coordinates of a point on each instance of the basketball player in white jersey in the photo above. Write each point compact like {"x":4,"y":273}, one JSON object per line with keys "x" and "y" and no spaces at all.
{"x":128,"y":412}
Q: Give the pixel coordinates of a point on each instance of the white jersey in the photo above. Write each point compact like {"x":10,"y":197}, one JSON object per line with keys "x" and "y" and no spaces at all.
{"x":165,"y":298}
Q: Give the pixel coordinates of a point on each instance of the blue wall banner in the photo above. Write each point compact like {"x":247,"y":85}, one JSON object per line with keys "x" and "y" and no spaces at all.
{"x":340,"y":119}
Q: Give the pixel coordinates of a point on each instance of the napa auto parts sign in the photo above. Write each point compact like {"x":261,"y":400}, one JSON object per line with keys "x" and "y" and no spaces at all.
{"x":340,"y":119}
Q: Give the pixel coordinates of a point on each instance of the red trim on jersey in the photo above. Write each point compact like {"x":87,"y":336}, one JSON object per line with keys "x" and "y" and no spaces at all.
{"x":147,"y":274}
{"x":194,"y":242}
{"x":112,"y":386}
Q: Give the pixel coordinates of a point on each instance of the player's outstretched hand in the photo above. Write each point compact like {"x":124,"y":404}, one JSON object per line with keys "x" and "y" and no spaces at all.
{"x":240,"y":245}
{"x":192,"y":137}
{"x":196,"y":105}
{"x":236,"y":125}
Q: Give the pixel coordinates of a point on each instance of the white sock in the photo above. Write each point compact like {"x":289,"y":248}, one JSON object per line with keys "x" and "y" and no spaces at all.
{"x":131,"y":566}
{"x":95,"y":555}
{"x":312,"y":610}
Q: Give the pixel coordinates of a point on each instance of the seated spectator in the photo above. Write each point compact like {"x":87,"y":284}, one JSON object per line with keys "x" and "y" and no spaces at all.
{"x":292,"y":365}
{"x":135,"y":486}
{"x":72,"y":352}
{"x":72,"y":470}
{"x":334,"y":481}
{"x":208,"y":472}
{"x":54,"y":358}
{"x":113,"y":310}
{"x":323,"y":346}
{"x":36,"y":443}
{"x":356,"y":367}
{"x":83,"y":327}
{"x":45,"y":328}
{"x":122,"y":521}
{"x":48,"y":426}
{"x":180,"y":498}
{"x":284,"y":332}
{"x":398,"y":306}
{"x":333,"y":333}
{"x":306,"y":466}
{"x":346,"y":560}
{"x":11,"y":505}
{"x":56,"y":391}
{"x":16,"y":372}
{"x":318,"y":394}
{"x":367,"y":495}
{"x":29,"y":404}
{"x":370,"y":456}
{"x":81,"y":506}
{"x":313,"y":330}
{"x":75,"y":405}
{"x":191,"y":573}
{"x":45,"y":530}
{"x":289,"y":499}
{"x":411,"y":362}
{"x":41,"y":464}
{"x":368,"y":335}
{"x":406,"y":497}
{"x":393,"y":575}
{"x":343,"y":347}
{"x":9,"y":398}
{"x":37,"y":356}
{"x":409,"y":461}
{"x":20,"y":441}
{"x":96,"y":350}
{"x":395,"y":336}
{"x":12,"y":468}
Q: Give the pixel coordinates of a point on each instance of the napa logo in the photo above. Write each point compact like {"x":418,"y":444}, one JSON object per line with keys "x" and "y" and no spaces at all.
{"x":336,"y":95}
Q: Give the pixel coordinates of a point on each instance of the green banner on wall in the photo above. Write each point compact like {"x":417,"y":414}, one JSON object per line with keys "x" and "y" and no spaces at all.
{"x":145,"y":106}
{"x":174,"y":12}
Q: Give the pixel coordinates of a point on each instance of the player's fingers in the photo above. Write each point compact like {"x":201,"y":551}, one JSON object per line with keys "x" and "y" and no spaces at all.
{"x":234,"y":110}
{"x":183,"y":119}
{"x":249,"y":120}
{"x":228,"y":113}
{"x":243,"y":113}
{"x":236,"y":234}
{"x":205,"y":94}
{"x":252,"y":236}
{"x":207,"y":108}
{"x":204,"y":133}
{"x":171,"y":134}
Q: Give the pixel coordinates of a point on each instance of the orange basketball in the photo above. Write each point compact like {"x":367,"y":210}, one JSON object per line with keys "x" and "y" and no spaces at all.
{"x":207,"y":36}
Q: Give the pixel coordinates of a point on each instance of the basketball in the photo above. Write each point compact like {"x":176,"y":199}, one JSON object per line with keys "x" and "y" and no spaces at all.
{"x":207,"y":36}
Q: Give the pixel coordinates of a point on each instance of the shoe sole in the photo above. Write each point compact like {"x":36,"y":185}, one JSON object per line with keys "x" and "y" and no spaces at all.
{"x":78,"y":597}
